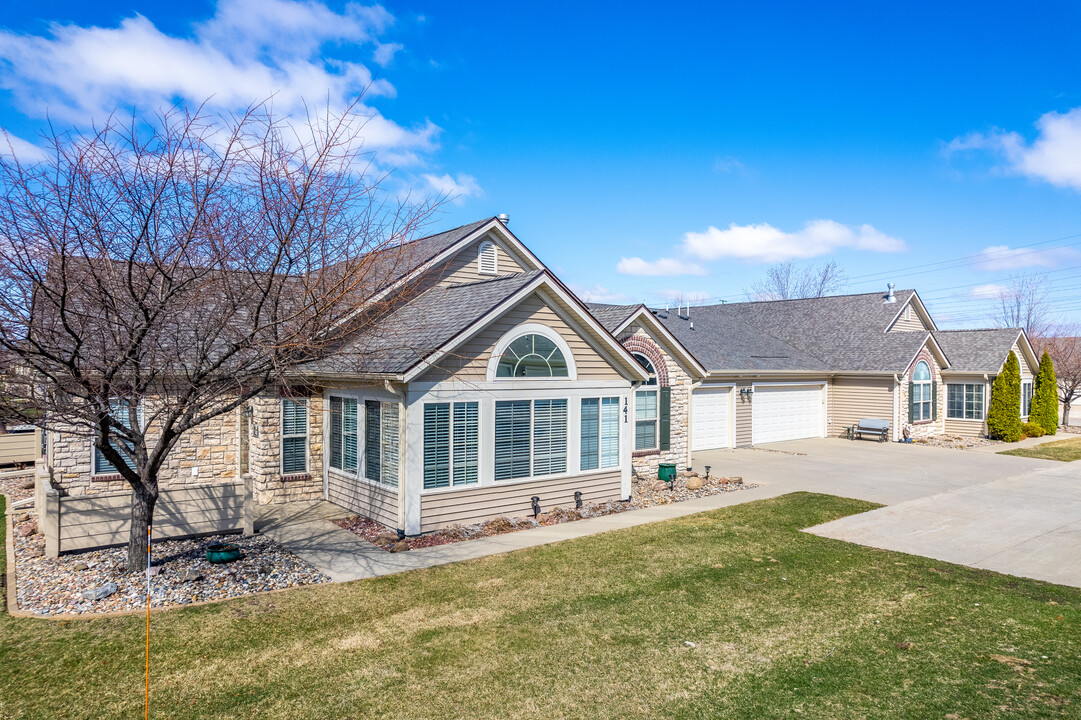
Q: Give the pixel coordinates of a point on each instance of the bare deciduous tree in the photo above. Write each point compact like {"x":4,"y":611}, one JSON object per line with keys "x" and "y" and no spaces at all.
{"x":1026,"y":304}
{"x":156,"y":275}
{"x":1065,"y":352}
{"x":786,"y":281}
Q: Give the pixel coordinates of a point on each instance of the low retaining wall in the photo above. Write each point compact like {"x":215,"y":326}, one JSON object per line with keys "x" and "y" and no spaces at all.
{"x":83,"y":522}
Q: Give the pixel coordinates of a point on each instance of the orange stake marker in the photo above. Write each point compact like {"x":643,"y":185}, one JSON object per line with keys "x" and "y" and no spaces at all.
{"x":147,"y":705}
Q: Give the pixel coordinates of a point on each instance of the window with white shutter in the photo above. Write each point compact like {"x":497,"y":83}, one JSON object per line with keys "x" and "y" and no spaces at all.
{"x":450,"y":444}
{"x":600,"y":433}
{"x":512,"y":439}
{"x":382,"y":442}
{"x":487,"y":259}
{"x":549,"y":437}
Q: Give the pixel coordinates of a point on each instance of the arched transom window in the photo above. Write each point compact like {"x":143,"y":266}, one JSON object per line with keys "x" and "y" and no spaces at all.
{"x":921,"y":400}
{"x":645,"y":363}
{"x":532,"y":355}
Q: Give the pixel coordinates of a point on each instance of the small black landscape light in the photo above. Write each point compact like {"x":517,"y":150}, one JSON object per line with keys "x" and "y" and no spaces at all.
{"x":707,"y":470}
{"x":535,"y":502}
{"x":577,"y":499}
{"x":401,"y":534}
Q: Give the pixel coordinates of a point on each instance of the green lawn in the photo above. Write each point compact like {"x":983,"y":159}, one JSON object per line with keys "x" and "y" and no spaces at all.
{"x":784,"y":624}
{"x":1064,"y":450}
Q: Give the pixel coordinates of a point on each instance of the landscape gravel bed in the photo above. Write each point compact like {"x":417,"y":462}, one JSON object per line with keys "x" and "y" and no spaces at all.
{"x":644,"y":493}
{"x":48,"y":586}
{"x":17,"y":487}
{"x":955,"y":442}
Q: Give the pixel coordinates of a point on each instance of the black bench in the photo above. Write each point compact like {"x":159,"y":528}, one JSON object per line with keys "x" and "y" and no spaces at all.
{"x":875,"y":428}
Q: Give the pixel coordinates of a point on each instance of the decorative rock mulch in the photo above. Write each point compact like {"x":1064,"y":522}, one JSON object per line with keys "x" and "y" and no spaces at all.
{"x":644,"y":493}
{"x":18,"y":487}
{"x":47,"y":586}
{"x":954,"y":442}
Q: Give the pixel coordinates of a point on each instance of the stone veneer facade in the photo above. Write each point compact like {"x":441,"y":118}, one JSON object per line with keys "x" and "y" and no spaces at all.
{"x":926,"y":428}
{"x":212,"y":450}
{"x":669,"y":374}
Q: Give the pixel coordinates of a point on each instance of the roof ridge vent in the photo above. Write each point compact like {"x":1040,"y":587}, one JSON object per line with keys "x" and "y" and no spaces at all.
{"x":890,"y":297}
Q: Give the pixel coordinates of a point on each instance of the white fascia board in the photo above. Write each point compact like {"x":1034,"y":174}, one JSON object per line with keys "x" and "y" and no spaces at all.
{"x":945,"y":361}
{"x":686,"y":358}
{"x":542,"y":281}
{"x":921,"y":309}
{"x":616,"y":351}
{"x":1031,"y":351}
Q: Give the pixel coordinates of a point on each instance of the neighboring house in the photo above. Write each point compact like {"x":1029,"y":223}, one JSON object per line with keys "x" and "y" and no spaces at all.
{"x":490,"y":386}
{"x":976,"y":359}
{"x":790,"y":369}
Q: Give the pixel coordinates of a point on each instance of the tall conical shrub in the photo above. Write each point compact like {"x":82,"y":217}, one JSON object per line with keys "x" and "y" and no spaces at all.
{"x":1004,"y":417}
{"x":1044,"y":410}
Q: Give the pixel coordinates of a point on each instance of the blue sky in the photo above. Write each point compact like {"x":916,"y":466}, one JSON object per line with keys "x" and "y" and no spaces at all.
{"x":649,"y":152}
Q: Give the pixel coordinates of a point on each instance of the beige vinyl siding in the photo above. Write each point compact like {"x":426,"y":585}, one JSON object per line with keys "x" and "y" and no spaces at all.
{"x":1027,"y":371}
{"x":373,"y":501}
{"x":852,"y":399}
{"x":744,"y":405}
{"x":92,"y":521}
{"x":469,"y":361}
{"x":463,"y":267}
{"x":20,"y":447}
{"x":473,"y":505}
{"x":909,"y":321}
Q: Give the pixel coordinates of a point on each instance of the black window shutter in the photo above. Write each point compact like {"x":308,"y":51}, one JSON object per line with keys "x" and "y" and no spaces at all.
{"x":666,"y":418}
{"x":934,"y":401}
{"x":911,"y":402}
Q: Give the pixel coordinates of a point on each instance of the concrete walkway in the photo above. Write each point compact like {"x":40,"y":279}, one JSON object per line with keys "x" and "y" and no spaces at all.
{"x":305,"y":529}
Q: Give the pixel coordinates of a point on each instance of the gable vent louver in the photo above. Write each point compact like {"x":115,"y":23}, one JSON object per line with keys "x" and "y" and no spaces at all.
{"x":487,"y":259}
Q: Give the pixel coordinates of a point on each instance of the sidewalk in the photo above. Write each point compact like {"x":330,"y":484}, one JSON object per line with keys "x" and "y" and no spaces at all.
{"x":1026,"y":443}
{"x":307,"y":531}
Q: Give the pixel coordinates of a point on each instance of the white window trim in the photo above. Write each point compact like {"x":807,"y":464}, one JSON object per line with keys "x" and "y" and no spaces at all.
{"x":656,"y":390}
{"x":360,"y":395}
{"x":450,"y":448}
{"x":485,"y":247}
{"x":530,"y":328}
{"x":94,"y":450}
{"x":619,"y":446}
{"x":1032,"y":384}
{"x":307,"y":436}
{"x":486,"y":396}
{"x":983,"y":409}
{"x":327,"y":434}
{"x":532,"y":447}
{"x":930,"y":383}
{"x":362,"y":443}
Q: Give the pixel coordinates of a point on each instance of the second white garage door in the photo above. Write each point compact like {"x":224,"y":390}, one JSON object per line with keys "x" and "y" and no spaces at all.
{"x":786,"y":412}
{"x":711,"y":418}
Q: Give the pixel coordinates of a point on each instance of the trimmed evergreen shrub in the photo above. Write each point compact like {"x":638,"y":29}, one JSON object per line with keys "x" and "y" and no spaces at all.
{"x":1044,"y":409}
{"x":1004,"y":416}
{"x":1031,"y":429}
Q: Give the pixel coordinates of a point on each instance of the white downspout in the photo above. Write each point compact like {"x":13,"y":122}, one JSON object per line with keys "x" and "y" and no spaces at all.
{"x":403,"y":486}
{"x":896,"y":407}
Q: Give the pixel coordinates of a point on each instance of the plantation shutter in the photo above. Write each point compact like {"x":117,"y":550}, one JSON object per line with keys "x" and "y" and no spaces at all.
{"x":911,"y":402}
{"x":591,"y":441}
{"x":349,"y":435}
{"x":666,"y":418}
{"x":512,"y":439}
{"x":436,"y":445}
{"x":391,"y":443}
{"x":372,"y":458}
{"x":336,"y":433}
{"x":465,"y":443}
{"x":609,"y":432}
{"x":934,"y":400}
{"x":549,"y":437}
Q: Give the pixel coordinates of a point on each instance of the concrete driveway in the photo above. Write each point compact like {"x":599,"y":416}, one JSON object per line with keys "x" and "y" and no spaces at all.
{"x":1014,"y":515}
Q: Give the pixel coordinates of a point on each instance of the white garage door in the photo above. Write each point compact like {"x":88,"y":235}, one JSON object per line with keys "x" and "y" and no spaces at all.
{"x":786,"y":412}
{"x":710,"y":421}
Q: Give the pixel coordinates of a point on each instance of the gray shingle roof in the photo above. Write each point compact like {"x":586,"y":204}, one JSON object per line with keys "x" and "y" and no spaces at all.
{"x":981,"y":351}
{"x":611,"y":316}
{"x":842,"y":333}
{"x":413,"y":331}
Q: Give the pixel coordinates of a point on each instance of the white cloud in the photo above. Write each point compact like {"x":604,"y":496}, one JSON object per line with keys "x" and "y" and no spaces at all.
{"x":660,"y":267}
{"x":23,"y":150}
{"x":694,"y":297}
{"x":597,"y":294}
{"x":247,"y":52}
{"x":728,"y":164}
{"x":384,"y":53}
{"x":1054,"y":156}
{"x":1003,"y":257}
{"x":457,"y":188}
{"x":765,"y":243}
{"x":990,"y":291}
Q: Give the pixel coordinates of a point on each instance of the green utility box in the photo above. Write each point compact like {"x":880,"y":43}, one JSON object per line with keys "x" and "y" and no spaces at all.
{"x":666,"y":472}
